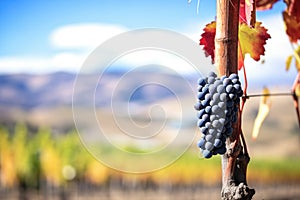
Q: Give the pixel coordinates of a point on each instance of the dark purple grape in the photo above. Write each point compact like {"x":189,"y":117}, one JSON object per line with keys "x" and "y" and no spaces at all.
{"x":223,"y":97}
{"x":221,"y":150}
{"x":201,"y":143}
{"x":209,"y":146}
{"x":200,"y":113}
{"x":208,"y":109}
{"x":200,"y":123}
{"x":227,"y":82}
{"x":201,"y":95}
{"x":212,"y":131}
{"x":229,"y":89}
{"x":209,"y":138}
{"x":207,"y":125}
{"x":222,"y":105}
{"x":218,"y":143}
{"x":215,"y":109}
{"x":204,"y":130}
{"x":212,"y":117}
{"x":205,"y":117}
{"x":233,"y":76}
{"x":216,"y":124}
{"x":198,"y":106}
{"x":210,"y":80}
{"x":201,"y":81}
{"x":205,"y":103}
{"x":212,"y":89}
{"x":222,"y":121}
{"x":207,"y":96}
{"x":207,"y":154}
{"x":216,"y":97}
{"x":212,"y":74}
{"x":232,"y":96}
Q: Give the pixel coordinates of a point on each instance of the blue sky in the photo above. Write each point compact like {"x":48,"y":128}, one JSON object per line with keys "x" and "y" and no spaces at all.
{"x":57,"y":35}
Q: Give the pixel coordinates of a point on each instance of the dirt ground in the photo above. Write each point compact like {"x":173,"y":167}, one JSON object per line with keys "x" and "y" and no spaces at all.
{"x":278,"y":192}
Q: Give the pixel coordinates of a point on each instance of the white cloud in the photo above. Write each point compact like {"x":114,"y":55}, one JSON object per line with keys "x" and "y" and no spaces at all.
{"x":155,"y":57}
{"x":75,"y":40}
{"x":82,"y":36}
{"x":59,"y":62}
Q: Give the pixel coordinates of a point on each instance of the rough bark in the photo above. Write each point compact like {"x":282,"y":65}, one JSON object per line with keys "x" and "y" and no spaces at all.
{"x":236,"y":159}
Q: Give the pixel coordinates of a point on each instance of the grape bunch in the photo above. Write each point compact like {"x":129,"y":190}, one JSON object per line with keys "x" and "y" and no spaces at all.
{"x":217,"y":106}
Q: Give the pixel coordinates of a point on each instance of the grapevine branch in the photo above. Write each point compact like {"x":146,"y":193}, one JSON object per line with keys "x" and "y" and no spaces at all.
{"x":270,"y":94}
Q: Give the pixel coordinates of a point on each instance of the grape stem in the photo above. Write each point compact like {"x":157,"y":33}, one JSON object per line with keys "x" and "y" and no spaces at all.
{"x":270,"y":94}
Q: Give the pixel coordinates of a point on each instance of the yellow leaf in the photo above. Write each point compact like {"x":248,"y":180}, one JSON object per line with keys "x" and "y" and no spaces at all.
{"x":264,"y":108}
{"x":297,"y":57}
{"x":288,"y":62}
{"x":297,"y":91}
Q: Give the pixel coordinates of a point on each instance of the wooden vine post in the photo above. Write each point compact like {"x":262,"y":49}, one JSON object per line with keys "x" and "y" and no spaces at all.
{"x":236,"y":159}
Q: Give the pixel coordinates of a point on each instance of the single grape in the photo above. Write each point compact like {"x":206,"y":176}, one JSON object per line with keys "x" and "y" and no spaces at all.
{"x":222,"y":105}
{"x":233,"y":76}
{"x":201,"y":95}
{"x":220,"y":89}
{"x":216,"y":124}
{"x":219,"y":135}
{"x":218,"y":82}
{"x":212,"y":117}
{"x":200,"y":113}
{"x":212,"y":89}
{"x":232,"y":96}
{"x":207,"y":96}
{"x":227,"y":82}
{"x":200,"y":123}
{"x":205,"y":89}
{"x":212,"y":131}
{"x":201,"y":143}
{"x":223,"y":97}
{"x":201,"y":81}
{"x":204,"y":130}
{"x":210,"y":80}
{"x":205,"y":103}
{"x":218,"y":143}
{"x":207,"y":154}
{"x":237,"y":87}
{"x":198,"y":106}
{"x":229,"y":88}
{"x":205,"y":117}
{"x":215,"y":109}
{"x":209,"y":146}
{"x":199,"y":88}
{"x":216,"y":97}
{"x":222,"y":121}
{"x":207,"y":125}
{"x":209,"y":138}
{"x":221,"y":150}
{"x":208,"y":109}
{"x":212,"y":74}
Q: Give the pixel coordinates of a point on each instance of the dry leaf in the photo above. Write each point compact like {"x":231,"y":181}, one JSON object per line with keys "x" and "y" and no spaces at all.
{"x":264,"y":108}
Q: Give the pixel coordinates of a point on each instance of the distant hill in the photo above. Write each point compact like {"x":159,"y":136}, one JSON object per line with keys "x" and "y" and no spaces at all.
{"x":27,"y":91}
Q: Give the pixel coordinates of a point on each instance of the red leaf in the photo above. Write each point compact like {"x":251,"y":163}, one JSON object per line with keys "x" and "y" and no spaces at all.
{"x":293,"y":8}
{"x":208,"y":40}
{"x":292,"y":27}
{"x":265,"y":4}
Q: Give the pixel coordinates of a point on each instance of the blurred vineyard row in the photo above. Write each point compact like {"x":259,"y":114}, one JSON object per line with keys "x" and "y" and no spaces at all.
{"x":39,"y":159}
